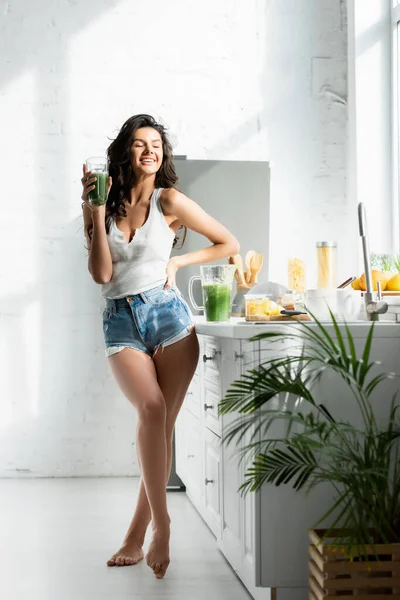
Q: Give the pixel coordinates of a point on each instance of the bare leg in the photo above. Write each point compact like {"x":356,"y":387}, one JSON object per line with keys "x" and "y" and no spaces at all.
{"x":185,"y":353}
{"x":136,"y":376}
{"x":131,"y":551}
{"x":136,"y":533}
{"x":175,"y":366}
{"x":181,"y":358}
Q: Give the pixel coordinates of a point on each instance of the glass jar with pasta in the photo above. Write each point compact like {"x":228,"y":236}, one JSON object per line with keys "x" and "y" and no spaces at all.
{"x":326,"y":261}
{"x":296,"y":275}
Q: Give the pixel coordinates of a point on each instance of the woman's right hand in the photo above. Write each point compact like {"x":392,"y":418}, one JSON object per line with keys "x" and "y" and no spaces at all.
{"x":87,"y":185}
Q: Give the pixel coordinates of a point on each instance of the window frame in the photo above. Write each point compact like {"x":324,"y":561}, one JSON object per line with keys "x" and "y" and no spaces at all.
{"x":395,"y":118}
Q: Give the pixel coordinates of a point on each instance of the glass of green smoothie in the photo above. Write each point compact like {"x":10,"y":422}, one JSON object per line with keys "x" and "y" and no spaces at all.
{"x":216,"y":284}
{"x":99,"y":169}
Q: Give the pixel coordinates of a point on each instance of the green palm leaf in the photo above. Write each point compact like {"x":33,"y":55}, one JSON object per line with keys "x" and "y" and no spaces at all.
{"x":313,"y":445}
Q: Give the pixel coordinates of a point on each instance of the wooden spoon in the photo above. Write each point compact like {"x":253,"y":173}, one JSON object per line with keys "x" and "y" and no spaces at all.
{"x":247,"y":262}
{"x":238,"y":261}
{"x":256,"y":262}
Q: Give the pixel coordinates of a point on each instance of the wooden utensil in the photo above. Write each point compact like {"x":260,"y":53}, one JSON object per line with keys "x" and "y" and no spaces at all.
{"x":239,"y":275}
{"x":256,"y":262}
{"x":346,"y":283}
{"x":247,"y":259}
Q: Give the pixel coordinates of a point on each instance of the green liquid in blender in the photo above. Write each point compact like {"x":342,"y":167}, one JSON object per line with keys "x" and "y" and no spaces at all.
{"x":99,"y":194}
{"x":217,"y":302}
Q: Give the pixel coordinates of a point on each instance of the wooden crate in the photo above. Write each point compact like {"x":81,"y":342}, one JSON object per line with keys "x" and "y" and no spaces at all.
{"x":332,"y":574}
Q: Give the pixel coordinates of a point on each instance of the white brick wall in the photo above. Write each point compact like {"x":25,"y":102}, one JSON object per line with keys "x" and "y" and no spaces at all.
{"x":233,"y":80}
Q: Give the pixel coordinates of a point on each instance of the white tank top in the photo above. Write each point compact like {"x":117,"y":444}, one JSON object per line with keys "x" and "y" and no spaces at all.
{"x":140,"y":264}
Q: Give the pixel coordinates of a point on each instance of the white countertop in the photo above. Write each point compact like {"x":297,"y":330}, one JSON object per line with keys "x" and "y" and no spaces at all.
{"x":239,"y":329}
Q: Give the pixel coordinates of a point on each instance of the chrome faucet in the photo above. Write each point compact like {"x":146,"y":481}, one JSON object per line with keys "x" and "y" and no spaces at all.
{"x":374,"y":306}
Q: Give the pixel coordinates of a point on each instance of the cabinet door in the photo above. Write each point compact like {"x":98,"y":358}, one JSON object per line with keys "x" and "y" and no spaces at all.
{"x":248,"y":514}
{"x":180,"y":446}
{"x":193,"y":397}
{"x":194,"y":462}
{"x":231,"y":526}
{"x":251,"y":524}
{"x":212,"y":496}
{"x":189,"y":456}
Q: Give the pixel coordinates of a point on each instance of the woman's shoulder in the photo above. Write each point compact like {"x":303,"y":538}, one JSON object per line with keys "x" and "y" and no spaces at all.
{"x":169,"y":200}
{"x":168,"y":194}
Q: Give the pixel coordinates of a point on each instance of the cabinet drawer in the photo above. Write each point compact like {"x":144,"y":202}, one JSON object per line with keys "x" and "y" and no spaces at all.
{"x":211,"y":359}
{"x":242,"y":353}
{"x":211,"y":398}
{"x":270,"y":349}
{"x":212,"y":480}
{"x":250,"y":355}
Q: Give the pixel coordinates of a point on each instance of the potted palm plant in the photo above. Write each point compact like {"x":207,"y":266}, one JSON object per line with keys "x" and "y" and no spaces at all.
{"x":359,"y":553}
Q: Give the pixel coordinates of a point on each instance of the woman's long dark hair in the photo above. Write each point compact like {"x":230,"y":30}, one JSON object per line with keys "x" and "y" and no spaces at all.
{"x":119,"y":155}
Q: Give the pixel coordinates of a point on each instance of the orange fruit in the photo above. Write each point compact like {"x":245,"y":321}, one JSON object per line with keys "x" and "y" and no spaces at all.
{"x":382,"y":276}
{"x":393,"y":285}
{"x":356,"y":284}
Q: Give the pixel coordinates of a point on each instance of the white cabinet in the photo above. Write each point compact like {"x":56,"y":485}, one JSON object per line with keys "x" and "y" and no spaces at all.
{"x":209,"y":468}
{"x":248,"y":528}
{"x":263,"y":535}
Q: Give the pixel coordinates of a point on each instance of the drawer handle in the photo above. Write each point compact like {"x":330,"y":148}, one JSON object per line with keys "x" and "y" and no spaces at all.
{"x":237,"y":355}
{"x":207,"y":481}
{"x":207,"y":406}
{"x":215,"y":353}
{"x":189,"y":393}
{"x":190,"y":455}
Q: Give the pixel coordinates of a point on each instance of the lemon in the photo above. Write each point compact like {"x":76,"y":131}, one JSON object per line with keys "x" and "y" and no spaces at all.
{"x":382,"y":276}
{"x":356,"y":285}
{"x":393,"y":285}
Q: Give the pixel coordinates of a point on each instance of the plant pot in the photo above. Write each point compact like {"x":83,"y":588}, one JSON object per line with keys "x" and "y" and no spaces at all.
{"x":333,"y":573}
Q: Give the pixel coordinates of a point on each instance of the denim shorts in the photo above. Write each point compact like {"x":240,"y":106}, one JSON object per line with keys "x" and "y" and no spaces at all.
{"x":146,"y":321}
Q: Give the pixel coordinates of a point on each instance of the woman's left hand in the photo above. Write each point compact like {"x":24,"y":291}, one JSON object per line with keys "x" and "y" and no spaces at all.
{"x":171,"y":270}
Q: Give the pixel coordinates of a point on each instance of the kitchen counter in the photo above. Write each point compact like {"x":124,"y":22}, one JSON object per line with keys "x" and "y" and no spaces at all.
{"x":239,"y":329}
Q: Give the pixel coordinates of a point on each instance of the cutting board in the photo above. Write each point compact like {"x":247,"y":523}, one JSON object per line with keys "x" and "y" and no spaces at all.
{"x":279,"y":318}
{"x":386,"y":294}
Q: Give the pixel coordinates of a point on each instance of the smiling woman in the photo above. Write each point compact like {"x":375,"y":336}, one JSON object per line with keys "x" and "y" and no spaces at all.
{"x":148,"y":328}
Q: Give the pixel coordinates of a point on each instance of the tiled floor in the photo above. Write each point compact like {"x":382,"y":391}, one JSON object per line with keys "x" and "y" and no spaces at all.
{"x":57,"y":534}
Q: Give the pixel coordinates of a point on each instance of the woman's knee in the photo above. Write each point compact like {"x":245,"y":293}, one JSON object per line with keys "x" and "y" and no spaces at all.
{"x":152,"y":409}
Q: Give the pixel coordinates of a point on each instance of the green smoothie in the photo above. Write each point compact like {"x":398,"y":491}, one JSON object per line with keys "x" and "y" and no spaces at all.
{"x":217,"y":301}
{"x":99,"y":194}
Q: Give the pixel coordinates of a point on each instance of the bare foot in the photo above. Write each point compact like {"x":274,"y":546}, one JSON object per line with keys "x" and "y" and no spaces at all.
{"x":130,"y":553}
{"x":157,"y":556}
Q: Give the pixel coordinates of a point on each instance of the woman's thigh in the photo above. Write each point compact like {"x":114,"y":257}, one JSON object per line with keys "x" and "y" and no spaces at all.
{"x":136,"y":376}
{"x":175,"y":366}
